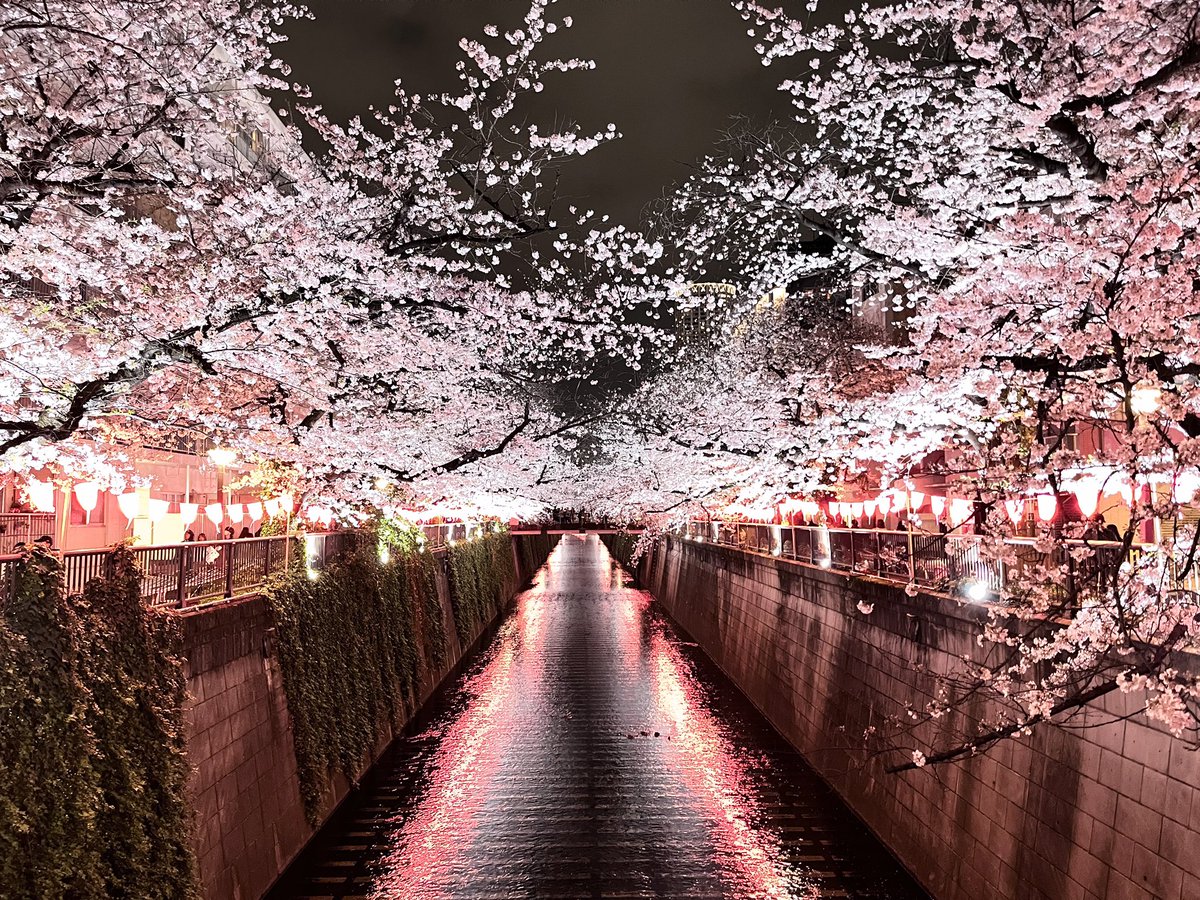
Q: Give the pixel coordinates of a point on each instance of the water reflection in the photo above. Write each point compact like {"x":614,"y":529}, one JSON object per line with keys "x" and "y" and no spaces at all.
{"x":589,"y":752}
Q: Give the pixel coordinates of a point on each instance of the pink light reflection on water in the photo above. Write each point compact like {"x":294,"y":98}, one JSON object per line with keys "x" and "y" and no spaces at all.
{"x":718,"y":776}
{"x":438,"y":835}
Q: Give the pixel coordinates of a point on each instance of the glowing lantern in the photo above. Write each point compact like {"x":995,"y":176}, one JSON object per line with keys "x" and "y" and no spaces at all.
{"x":237,"y":512}
{"x":938,"y":505}
{"x":128,"y":504}
{"x":899,"y":500}
{"x":188,"y":513}
{"x":869,"y":508}
{"x":88,"y":494}
{"x":1186,"y":485}
{"x":41,"y":495}
{"x":856,"y":510}
{"x":885,"y":504}
{"x":157,"y":509}
{"x":272,"y":507}
{"x":835,"y":509}
{"x":287,"y":503}
{"x":1125,"y":489}
{"x":215,"y":513}
{"x":1087,"y":493}
{"x":1047,"y":506}
{"x":960,"y":510}
{"x":916,"y":500}
{"x":254,"y":510}
{"x":1015,"y":510}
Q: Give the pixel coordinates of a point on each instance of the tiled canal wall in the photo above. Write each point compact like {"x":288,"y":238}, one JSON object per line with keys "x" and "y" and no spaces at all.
{"x":1102,"y":812}
{"x":245,"y":791}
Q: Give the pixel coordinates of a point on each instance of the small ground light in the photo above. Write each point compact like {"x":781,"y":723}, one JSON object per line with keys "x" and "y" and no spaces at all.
{"x":385,"y":554}
{"x":975,"y":591}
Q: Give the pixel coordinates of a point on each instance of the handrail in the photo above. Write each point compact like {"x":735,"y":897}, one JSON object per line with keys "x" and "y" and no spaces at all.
{"x":201,"y":572}
{"x":944,"y":563}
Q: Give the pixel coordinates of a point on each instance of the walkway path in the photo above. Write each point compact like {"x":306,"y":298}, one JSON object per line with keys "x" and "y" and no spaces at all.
{"x":589,"y":752}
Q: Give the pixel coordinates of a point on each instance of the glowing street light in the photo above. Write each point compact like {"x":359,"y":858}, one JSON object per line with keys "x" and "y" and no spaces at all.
{"x":222,"y":456}
{"x":1144,"y":400}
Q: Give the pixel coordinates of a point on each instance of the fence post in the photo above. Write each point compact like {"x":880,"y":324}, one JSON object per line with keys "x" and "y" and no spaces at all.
{"x":181,"y":583}
{"x":229,"y":568}
{"x":267,"y":558}
{"x":912,"y":569}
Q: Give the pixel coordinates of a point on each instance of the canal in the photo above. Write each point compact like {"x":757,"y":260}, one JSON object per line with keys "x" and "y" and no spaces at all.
{"x":590,"y":751}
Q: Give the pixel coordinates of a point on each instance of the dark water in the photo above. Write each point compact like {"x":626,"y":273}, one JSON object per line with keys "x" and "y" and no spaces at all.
{"x":590,"y":752}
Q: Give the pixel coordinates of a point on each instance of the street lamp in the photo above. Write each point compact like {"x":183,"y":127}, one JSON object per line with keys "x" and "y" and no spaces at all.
{"x":221,"y":457}
{"x":1144,"y":399}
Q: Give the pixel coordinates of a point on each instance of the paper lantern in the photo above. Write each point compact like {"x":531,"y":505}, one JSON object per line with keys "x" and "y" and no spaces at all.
{"x":1087,"y":494}
{"x":188,"y":513}
{"x":254,"y":511}
{"x":1047,"y":506}
{"x":916,"y":500}
{"x":1186,"y":486}
{"x":938,"y":505}
{"x":869,"y":508}
{"x":88,"y":494}
{"x":215,"y":513}
{"x":899,"y":501}
{"x":1125,"y":489}
{"x":1015,"y":510}
{"x":237,"y":512}
{"x":41,"y":495}
{"x":287,"y":503}
{"x":128,"y":504}
{"x":835,"y":509}
{"x":157,"y":509}
{"x":272,"y":507}
{"x":960,"y":510}
{"x":885,"y":504}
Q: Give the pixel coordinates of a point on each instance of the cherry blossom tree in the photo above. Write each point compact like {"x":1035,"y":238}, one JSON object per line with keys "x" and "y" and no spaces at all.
{"x":1018,"y":181}
{"x":173,"y":261}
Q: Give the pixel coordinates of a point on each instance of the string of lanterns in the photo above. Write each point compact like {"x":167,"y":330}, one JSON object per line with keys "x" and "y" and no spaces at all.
{"x":87,"y":494}
{"x":956,"y":511}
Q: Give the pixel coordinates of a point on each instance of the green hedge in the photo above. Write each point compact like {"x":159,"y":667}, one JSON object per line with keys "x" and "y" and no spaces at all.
{"x":93,"y":775}
{"x":480,"y":572}
{"x":533,"y":549}
{"x":352,"y":645}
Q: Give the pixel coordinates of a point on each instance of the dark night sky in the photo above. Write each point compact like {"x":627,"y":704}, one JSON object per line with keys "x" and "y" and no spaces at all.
{"x":671,"y":74}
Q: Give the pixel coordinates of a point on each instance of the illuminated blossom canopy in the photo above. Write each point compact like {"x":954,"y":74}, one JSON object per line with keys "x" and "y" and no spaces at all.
{"x":1010,"y":187}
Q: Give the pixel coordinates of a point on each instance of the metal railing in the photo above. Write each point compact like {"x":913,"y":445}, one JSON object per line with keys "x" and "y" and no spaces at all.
{"x":23,"y":528}
{"x":943,"y":563}
{"x":191,"y":574}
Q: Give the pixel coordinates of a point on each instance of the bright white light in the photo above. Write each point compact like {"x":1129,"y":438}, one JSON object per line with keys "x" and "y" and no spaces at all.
{"x":976,"y":591}
{"x":222,"y":456}
{"x":825,"y":562}
{"x":1143,"y":399}
{"x":385,"y":555}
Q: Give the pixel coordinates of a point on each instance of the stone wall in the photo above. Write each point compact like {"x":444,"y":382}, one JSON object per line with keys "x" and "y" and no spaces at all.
{"x":249,"y":817}
{"x":1106,"y":808}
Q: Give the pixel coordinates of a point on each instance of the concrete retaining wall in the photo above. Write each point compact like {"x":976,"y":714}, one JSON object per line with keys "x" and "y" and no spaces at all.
{"x":249,"y":817}
{"x":1103,"y":812}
